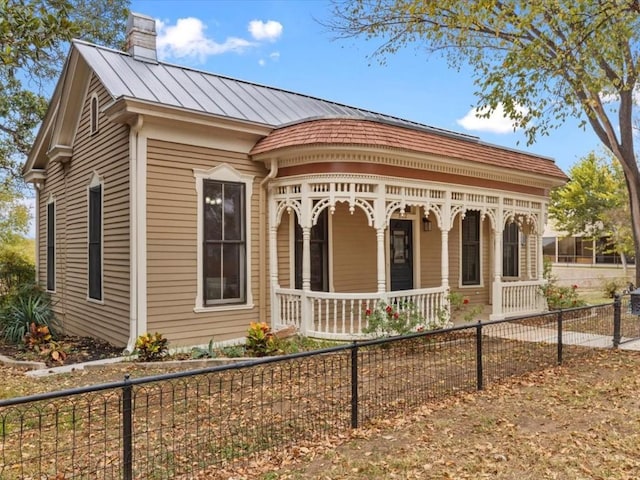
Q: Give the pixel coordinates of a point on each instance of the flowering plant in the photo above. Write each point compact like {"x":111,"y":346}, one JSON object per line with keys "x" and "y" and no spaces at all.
{"x":561,"y":297}
{"x":386,"y":320}
{"x":460,"y":304}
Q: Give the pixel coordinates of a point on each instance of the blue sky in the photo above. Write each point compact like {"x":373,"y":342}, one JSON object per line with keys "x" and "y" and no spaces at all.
{"x":279,"y":43}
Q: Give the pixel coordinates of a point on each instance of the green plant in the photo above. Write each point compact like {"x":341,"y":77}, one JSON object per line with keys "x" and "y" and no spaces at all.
{"x":399,"y":318}
{"x":260,"y":340}
{"x":461,"y":305}
{"x":233,"y":351}
{"x":151,"y":348}
{"x":16,"y":270}
{"x":29,"y":305}
{"x":561,"y":297}
{"x":207,"y":352}
{"x":612,"y":286}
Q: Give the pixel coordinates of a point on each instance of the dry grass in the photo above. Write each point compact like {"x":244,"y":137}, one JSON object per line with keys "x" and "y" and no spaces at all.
{"x":579,"y":421}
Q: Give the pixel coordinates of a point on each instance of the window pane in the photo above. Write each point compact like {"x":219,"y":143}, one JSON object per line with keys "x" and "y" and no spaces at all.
{"x":51,"y":247}
{"x":212,"y":211}
{"x":471,"y":248}
{"x":549,"y":247}
{"x":233,"y":211}
{"x":95,"y":242}
{"x":231,"y":278}
{"x":567,"y":250}
{"x":213,"y":272}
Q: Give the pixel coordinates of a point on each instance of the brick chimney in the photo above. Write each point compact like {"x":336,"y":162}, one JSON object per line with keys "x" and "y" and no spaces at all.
{"x":141,"y":38}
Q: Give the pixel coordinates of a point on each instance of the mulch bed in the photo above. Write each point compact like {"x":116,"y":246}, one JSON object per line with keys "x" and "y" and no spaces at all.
{"x":78,"y":349}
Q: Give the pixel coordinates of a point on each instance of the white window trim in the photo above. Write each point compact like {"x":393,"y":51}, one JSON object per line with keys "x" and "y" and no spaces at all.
{"x":481,"y":248}
{"x":96,"y":180}
{"x":223,"y":173}
{"x":94,"y":115}
{"x":51,"y":200}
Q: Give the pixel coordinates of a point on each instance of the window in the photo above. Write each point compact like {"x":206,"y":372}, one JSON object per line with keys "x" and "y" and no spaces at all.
{"x":95,"y":241}
{"x":51,"y":245}
{"x":510,"y":256}
{"x":224,"y":246}
{"x":471,"y":248}
{"x":319,"y":249}
{"x":224,"y":234}
{"x":94,"y":114}
{"x":549,"y":248}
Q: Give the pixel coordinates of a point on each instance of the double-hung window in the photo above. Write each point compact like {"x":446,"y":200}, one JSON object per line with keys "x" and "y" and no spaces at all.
{"x":51,"y":245}
{"x":95,"y":242}
{"x":225,"y":248}
{"x":471,"y":248}
{"x":510,"y":250}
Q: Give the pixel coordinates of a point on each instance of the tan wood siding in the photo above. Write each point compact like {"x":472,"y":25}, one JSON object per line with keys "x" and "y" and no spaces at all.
{"x":284,"y":252}
{"x":106,"y":153}
{"x":430,"y":255}
{"x":172,"y":264}
{"x":354,"y":251}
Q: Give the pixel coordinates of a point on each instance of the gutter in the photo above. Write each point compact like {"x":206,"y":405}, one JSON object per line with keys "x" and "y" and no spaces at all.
{"x":263,"y":242}
{"x":134,"y":131}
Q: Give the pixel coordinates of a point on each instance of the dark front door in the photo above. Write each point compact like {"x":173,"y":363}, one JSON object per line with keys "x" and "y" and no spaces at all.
{"x":401,"y":255}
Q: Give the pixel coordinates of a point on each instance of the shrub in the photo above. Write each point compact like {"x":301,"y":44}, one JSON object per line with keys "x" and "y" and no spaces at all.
{"x":386,"y":320}
{"x":562,"y":297}
{"x":260,"y":340}
{"x":460,"y":304}
{"x":16,"y":270}
{"x":29,"y":305}
{"x":151,"y":348}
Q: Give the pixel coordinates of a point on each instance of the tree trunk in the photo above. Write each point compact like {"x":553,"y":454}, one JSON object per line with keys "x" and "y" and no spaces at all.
{"x":632,"y":178}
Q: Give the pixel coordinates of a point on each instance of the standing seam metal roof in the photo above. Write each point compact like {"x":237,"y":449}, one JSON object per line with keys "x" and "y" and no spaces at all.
{"x":124,"y":76}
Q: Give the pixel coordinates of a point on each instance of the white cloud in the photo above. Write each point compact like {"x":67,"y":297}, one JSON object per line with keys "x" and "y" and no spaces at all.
{"x":269,"y":31}
{"x":261,"y":62}
{"x":497,"y":122}
{"x":187,"y":38}
{"x":275,"y":56}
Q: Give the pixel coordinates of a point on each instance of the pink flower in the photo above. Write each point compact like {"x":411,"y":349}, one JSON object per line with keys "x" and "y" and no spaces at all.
{"x":395,"y":315}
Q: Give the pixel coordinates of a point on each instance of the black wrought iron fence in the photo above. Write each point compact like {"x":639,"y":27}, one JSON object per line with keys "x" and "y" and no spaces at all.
{"x":179,"y":425}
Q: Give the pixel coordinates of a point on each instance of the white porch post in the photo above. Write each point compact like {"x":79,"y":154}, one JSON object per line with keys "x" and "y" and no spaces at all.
{"x":305,"y":223}
{"x":444,"y":258}
{"x":529,"y":260}
{"x":381,"y":266}
{"x":276,"y":316}
{"x":540,"y":258}
{"x":497,"y":274}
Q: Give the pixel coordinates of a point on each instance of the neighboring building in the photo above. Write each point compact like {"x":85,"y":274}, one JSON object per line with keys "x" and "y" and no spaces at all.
{"x":587,"y":262}
{"x":179,"y":201}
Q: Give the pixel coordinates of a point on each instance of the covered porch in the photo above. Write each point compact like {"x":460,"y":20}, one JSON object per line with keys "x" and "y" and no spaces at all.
{"x":341,"y":243}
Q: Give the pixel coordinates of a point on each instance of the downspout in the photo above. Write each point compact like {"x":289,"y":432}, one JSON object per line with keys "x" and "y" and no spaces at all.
{"x":133,"y":234}
{"x":262,"y":282}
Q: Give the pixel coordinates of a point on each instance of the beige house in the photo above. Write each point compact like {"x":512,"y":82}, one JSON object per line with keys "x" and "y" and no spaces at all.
{"x":183,"y":202}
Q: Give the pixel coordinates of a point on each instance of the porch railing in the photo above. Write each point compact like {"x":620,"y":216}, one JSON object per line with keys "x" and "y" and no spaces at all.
{"x":521,"y":298}
{"x":341,"y":316}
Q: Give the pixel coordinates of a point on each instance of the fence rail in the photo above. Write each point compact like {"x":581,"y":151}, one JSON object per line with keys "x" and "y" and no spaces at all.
{"x":184,"y":424}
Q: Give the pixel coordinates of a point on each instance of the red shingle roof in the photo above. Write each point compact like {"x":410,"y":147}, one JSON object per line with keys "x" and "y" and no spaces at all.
{"x":374,"y":134}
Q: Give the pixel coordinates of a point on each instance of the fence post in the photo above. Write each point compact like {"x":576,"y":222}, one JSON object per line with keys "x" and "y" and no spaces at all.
{"x":127,"y":430}
{"x":479,"y":372}
{"x":560,"y":337}
{"x":354,"y":385}
{"x":617,"y":320}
